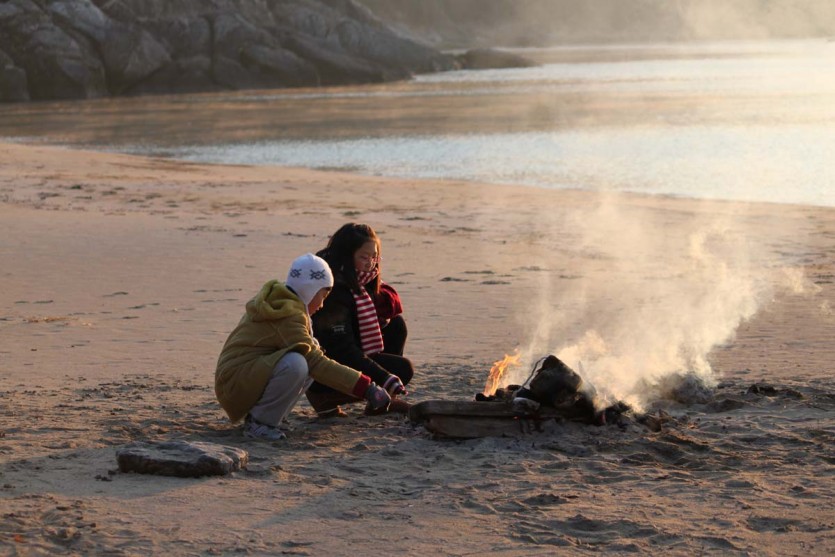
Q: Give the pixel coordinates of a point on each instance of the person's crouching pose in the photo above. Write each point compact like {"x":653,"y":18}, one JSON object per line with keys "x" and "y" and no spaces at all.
{"x":271,"y":357}
{"x":361,"y":324}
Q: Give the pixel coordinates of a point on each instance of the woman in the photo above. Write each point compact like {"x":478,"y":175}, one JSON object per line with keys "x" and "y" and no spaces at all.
{"x":270,"y":358}
{"x":361,"y":323}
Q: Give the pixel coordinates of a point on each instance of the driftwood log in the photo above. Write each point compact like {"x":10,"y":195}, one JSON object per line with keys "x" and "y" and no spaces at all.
{"x":470,"y":420}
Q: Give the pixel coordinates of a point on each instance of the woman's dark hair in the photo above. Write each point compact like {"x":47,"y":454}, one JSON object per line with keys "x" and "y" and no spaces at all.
{"x":339,"y":253}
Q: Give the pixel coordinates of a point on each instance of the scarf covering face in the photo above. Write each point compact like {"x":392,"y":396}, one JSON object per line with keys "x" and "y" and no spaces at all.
{"x":371,"y":339}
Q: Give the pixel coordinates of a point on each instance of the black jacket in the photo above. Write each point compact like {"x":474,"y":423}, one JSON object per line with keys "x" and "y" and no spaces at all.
{"x":336,"y":327}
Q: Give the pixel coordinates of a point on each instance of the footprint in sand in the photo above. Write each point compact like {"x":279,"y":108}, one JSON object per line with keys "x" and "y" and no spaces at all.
{"x":203,"y":290}
{"x":48,"y":319}
{"x":546,"y":500}
{"x":780,"y":524}
{"x":592,"y":531}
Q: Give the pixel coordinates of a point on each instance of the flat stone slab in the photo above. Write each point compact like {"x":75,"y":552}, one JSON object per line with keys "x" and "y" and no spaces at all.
{"x":181,"y":458}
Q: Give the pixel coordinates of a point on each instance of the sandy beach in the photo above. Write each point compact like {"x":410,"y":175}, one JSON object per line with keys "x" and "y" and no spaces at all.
{"x":122,"y":276}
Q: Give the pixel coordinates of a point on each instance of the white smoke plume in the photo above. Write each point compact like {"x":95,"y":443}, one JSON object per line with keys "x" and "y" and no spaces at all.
{"x":668,"y":299}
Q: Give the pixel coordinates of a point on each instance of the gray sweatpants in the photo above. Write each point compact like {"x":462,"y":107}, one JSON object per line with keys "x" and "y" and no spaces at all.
{"x":288,"y":383}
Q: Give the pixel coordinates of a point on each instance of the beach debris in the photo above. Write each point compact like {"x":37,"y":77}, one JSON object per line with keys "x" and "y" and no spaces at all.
{"x":557,"y":387}
{"x":183,"y":459}
{"x":686,"y":388}
{"x":766,"y":389}
{"x":552,"y":395}
{"x":554,"y":383}
{"x":762,"y":389}
{"x":726,"y":405}
{"x":524,"y":406}
{"x":657,"y":421}
{"x":692,"y":389}
{"x":463,"y":419}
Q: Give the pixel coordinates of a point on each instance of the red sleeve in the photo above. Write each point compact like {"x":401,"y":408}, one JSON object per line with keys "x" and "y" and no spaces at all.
{"x":387,"y":302}
{"x":361,"y":386}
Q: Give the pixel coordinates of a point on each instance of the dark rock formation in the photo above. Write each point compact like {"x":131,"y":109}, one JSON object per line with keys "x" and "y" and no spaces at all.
{"x":63,"y":49}
{"x":57,"y":63}
{"x":181,"y":459}
{"x":13,"y":84}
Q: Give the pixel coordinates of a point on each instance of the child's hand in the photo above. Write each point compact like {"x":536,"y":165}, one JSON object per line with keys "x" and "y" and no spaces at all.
{"x":394,"y":386}
{"x":377,"y":397}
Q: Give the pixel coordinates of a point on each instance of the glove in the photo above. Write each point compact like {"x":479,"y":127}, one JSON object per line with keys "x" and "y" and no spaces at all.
{"x":377,"y":397}
{"x":394,"y":386}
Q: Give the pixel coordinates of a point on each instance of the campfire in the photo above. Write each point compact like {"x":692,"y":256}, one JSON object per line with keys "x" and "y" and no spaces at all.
{"x":494,"y":380}
{"x":552,"y":394}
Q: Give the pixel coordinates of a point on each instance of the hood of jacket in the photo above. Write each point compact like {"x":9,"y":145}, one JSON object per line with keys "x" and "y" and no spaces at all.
{"x":273,"y":302}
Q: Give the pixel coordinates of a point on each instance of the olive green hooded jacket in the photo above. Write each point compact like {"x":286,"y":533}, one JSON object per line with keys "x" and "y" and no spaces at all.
{"x":275,"y":322}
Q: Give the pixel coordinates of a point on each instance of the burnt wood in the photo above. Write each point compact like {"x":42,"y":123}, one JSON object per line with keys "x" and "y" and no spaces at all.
{"x":470,"y":420}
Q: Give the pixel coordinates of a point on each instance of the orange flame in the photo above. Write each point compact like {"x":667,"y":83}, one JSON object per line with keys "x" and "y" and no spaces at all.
{"x":494,"y":380}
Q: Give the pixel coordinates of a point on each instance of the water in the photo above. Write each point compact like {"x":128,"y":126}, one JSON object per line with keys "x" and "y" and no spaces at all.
{"x":743,"y":121}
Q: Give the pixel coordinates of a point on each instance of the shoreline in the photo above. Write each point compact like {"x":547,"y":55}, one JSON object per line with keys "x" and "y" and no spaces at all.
{"x":122,"y":276}
{"x":359,"y":174}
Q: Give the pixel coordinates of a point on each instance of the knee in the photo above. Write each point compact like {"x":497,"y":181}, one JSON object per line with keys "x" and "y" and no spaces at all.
{"x":406,"y":371}
{"x":293,"y":364}
{"x":398,"y":326}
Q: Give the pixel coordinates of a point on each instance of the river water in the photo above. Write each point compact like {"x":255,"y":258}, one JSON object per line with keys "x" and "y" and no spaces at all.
{"x":737,"y":120}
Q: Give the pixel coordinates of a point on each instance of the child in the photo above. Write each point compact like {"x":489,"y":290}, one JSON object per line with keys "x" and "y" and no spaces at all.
{"x":361,"y":325}
{"x":271,"y":357}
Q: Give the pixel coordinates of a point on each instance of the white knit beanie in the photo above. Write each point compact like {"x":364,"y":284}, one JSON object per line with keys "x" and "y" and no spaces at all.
{"x":309,"y":274}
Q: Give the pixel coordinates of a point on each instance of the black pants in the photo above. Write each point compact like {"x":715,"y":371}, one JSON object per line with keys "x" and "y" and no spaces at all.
{"x":394,"y":337}
{"x":391,"y":358}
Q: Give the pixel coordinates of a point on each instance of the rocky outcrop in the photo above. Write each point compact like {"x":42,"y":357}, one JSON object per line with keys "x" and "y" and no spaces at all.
{"x":13,"y":83}
{"x":65,"y":49}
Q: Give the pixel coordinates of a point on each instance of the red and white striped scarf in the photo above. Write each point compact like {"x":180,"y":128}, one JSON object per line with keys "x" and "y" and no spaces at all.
{"x":371,"y":338}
